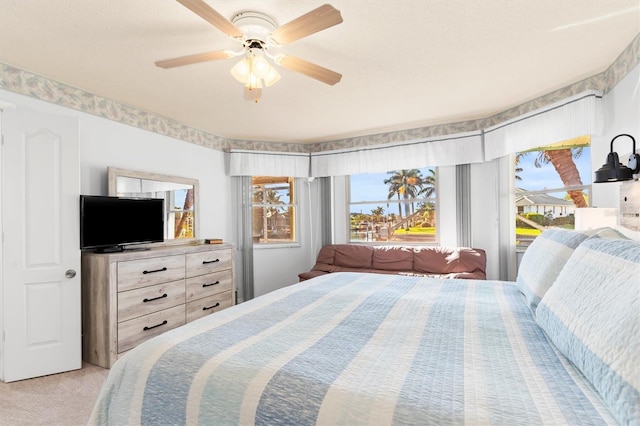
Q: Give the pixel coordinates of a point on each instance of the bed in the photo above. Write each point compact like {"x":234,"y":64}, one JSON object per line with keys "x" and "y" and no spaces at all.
{"x":359,"y":348}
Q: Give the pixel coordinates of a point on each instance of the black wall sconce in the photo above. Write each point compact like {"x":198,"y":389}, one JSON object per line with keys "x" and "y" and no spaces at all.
{"x":613,"y":171}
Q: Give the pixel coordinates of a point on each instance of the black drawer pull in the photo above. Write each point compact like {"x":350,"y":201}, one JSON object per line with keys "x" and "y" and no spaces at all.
{"x":156,"y":270}
{"x":155,"y":298}
{"x":154,"y":326}
{"x":211,"y":307}
{"x":204,"y":262}
{"x":209,"y":285}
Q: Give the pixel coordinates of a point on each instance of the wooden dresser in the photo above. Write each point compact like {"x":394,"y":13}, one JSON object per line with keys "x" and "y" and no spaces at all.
{"x":131,"y":296}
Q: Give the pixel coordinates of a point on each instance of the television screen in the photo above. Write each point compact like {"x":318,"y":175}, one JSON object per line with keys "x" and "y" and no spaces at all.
{"x":113,"y":222}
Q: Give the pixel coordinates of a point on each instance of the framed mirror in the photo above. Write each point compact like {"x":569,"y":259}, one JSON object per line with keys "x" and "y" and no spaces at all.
{"x":180,"y":198}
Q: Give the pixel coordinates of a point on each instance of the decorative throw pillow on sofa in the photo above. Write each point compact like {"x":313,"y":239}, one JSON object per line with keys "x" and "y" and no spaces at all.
{"x":592,"y":314}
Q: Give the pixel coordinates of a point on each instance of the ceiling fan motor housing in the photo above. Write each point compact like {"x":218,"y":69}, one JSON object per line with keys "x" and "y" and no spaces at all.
{"x":256,"y":27}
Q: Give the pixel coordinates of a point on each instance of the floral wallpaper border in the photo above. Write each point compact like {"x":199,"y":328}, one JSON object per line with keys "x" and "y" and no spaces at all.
{"x":26,"y":83}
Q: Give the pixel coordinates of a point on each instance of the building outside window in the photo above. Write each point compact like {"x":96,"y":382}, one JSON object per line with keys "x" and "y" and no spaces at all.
{"x":274,"y":209}
{"x":396,"y":206}
{"x":551,"y":182}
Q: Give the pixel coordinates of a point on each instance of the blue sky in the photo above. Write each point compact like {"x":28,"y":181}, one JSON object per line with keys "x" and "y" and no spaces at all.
{"x":370,"y":187}
{"x":546,"y":177}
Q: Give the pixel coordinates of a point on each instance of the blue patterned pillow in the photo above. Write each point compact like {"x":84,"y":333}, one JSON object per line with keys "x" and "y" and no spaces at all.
{"x":544,"y":259}
{"x":592,"y":314}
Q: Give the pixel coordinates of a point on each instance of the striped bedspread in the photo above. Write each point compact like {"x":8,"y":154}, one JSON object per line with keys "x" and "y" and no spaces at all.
{"x":351,"y":349}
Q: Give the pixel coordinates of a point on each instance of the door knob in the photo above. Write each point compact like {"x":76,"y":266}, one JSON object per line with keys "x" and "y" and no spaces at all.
{"x":70,"y":273}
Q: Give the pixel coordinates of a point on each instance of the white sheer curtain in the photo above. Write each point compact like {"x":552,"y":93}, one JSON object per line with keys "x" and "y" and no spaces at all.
{"x":264,"y":163}
{"x":442,"y":151}
{"x":576,"y":116}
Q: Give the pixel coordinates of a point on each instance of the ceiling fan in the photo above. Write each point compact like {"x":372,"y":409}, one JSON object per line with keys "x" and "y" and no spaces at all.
{"x":257,"y":33}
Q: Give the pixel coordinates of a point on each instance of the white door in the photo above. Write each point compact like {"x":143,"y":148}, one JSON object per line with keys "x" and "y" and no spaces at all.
{"x":40,"y":192}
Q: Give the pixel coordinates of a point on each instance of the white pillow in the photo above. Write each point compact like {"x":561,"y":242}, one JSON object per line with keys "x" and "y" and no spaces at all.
{"x":544,"y":259}
{"x":592,"y":314}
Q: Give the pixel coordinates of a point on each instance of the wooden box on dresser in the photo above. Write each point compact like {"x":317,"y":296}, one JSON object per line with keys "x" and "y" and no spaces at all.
{"x":131,"y":296}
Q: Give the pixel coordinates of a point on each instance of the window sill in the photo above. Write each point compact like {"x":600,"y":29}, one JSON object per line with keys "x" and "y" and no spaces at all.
{"x":263,"y":246}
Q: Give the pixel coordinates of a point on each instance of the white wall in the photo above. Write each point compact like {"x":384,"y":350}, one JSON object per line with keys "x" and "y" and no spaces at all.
{"x":276,"y":266}
{"x":485,"y":208}
{"x":622,"y":115}
{"x":105,"y":143}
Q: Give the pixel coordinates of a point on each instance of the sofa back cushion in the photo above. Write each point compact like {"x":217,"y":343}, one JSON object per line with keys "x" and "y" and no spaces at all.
{"x":353,"y":256}
{"x":326,"y":255}
{"x":447,"y":260}
{"x":392,"y":258}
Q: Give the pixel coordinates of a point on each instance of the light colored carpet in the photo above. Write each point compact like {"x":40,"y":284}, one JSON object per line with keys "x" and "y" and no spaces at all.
{"x":60,"y":399}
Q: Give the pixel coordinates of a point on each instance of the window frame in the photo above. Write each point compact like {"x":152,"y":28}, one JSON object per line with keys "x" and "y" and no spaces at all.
{"x":291,"y":206}
{"x":395,"y":202}
{"x":585,"y":188}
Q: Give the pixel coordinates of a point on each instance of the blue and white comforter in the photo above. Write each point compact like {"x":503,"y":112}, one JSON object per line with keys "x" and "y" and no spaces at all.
{"x":350,"y":349}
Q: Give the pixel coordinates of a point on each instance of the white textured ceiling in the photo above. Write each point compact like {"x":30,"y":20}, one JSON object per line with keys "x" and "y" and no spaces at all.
{"x":405,"y":63}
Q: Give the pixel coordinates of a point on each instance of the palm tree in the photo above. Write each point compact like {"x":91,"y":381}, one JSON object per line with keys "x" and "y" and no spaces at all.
{"x":428,"y":184}
{"x":272,"y":197}
{"x":519,"y":169}
{"x":405,"y":184}
{"x":562,"y":161}
{"x":377,"y":213}
{"x":188,"y":204}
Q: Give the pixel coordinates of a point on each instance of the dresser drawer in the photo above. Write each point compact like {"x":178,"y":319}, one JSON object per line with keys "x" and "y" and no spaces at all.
{"x":208,"y":261}
{"x":208,"y":285}
{"x":145,"y":300}
{"x":141,"y":273}
{"x":208,"y":305}
{"x":133,"y":332}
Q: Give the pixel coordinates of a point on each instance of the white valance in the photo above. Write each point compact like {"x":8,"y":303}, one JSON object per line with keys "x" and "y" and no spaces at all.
{"x":570,"y":118}
{"x":439,"y":151}
{"x":265,"y":163}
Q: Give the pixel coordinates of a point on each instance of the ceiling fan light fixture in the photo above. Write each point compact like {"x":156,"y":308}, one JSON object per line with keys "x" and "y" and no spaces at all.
{"x":252,"y":94}
{"x":241,"y":70}
{"x":257,"y":32}
{"x":260,"y":67}
{"x":253,"y":82}
{"x":254,"y":71}
{"x":272,"y":77}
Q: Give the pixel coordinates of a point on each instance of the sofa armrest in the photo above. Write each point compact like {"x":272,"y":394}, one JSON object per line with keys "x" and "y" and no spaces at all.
{"x":311,"y":274}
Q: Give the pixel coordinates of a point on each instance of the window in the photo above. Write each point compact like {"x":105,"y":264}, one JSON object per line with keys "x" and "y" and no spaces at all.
{"x":551,"y":182}
{"x":274,"y":209}
{"x":396,"y":206}
{"x":179,"y":204}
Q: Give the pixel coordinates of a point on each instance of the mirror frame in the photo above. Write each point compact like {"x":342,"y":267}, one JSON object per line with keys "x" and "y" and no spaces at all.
{"x":114,"y":173}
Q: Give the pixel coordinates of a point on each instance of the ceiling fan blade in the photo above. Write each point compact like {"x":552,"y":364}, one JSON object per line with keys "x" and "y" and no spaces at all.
{"x":317,"y":20}
{"x":206,"y":12}
{"x":310,"y":70}
{"x":193,"y":59}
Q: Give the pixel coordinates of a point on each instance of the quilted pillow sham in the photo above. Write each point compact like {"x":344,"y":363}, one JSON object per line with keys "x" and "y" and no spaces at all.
{"x":592,"y":314}
{"x":544,"y":259}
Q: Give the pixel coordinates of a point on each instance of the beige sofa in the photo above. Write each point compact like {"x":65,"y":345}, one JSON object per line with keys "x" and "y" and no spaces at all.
{"x":429,"y":261}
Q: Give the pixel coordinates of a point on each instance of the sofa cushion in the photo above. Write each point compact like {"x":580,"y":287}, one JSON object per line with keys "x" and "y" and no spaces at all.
{"x":353,"y":256}
{"x":392,"y":259}
{"x":327,"y":255}
{"x":447,"y":260}
{"x":439,"y":262}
